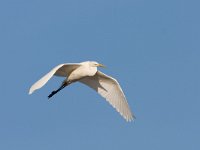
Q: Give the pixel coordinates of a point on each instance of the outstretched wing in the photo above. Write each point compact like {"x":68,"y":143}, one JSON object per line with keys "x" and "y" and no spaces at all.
{"x":61,"y":70}
{"x":110,"y":89}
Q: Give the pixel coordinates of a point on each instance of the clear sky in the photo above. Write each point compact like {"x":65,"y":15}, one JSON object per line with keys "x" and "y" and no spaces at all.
{"x":151,"y":47}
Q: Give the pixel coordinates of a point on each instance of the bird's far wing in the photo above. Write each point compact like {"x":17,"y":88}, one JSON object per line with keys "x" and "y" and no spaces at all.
{"x":66,"y":69}
{"x":110,"y":89}
{"x":60,"y":70}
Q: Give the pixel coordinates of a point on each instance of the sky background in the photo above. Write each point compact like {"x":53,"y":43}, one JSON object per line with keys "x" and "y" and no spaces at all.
{"x":151,"y":47}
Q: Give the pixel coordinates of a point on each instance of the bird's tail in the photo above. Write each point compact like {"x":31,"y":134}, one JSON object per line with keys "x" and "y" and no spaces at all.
{"x":64,"y":84}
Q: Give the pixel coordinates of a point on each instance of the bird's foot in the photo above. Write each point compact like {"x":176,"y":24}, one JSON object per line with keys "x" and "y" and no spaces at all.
{"x":52,"y":93}
{"x":56,"y":91}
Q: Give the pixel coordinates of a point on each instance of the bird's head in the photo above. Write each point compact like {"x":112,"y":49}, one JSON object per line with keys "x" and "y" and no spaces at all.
{"x":96,"y":64}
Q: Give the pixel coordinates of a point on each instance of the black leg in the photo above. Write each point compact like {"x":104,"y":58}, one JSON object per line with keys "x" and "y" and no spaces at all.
{"x":52,"y":93}
{"x":56,"y":91}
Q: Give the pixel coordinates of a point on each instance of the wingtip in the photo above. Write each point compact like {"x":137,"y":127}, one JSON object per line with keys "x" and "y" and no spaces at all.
{"x":30,"y":92}
{"x":130,"y":119}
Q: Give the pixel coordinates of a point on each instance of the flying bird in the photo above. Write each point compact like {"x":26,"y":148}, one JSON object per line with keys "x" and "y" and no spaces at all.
{"x":87,"y":73}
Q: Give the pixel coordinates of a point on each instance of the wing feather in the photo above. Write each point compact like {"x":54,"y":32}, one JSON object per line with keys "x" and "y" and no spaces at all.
{"x":61,"y":70}
{"x":110,"y":89}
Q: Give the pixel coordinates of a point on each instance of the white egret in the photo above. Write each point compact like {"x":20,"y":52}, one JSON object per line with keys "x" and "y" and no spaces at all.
{"x":87,"y":73}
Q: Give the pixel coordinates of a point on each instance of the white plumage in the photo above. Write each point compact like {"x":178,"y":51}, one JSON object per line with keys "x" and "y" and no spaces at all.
{"x":86,"y":73}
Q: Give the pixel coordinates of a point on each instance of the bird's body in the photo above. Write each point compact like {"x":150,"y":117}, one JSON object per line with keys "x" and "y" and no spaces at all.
{"x":87,"y":73}
{"x":84,"y":70}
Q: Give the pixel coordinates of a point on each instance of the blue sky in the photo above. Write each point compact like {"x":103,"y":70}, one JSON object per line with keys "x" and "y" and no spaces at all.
{"x":151,"y":47}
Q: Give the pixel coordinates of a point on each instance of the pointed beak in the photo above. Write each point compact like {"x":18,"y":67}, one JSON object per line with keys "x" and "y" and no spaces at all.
{"x":101,"y":65}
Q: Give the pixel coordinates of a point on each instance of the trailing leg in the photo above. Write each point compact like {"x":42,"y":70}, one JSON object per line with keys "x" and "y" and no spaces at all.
{"x":64,"y":84}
